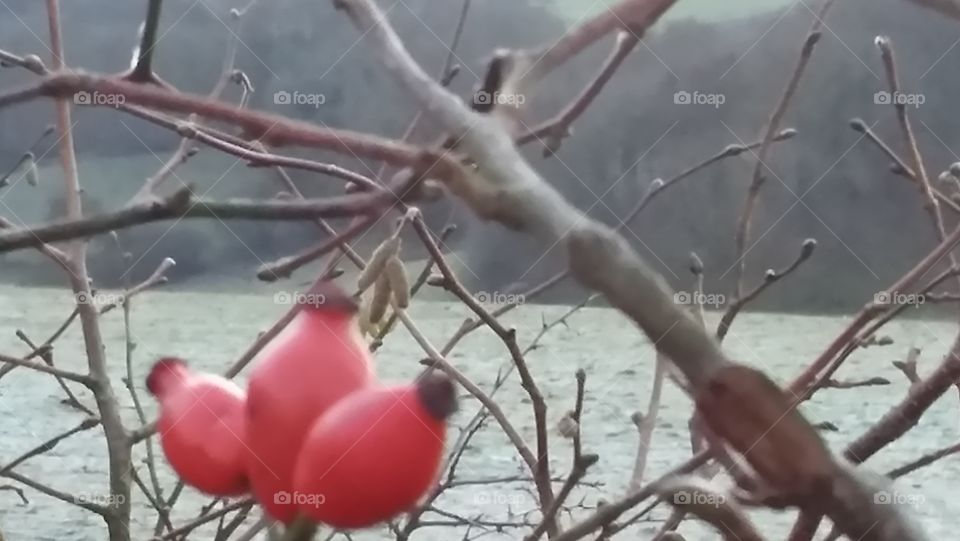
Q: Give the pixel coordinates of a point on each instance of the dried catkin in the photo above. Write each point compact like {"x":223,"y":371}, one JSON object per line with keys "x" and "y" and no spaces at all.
{"x":397,"y":276}
{"x":380,"y":299}
{"x":366,"y":328}
{"x":378,"y":261}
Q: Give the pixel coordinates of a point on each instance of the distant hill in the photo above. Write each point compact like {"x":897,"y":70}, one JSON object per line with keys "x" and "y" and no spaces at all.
{"x":827,"y":183}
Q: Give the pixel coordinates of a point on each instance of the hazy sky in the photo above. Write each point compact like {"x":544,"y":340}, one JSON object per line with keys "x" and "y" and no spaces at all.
{"x":684,"y":8}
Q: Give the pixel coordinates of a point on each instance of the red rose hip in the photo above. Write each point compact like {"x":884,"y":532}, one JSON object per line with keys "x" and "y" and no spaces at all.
{"x":315,"y":361}
{"x":374,"y":454}
{"x":201,"y":427}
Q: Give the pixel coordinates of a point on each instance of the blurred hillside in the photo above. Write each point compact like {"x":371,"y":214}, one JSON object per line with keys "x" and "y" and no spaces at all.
{"x":827,"y":183}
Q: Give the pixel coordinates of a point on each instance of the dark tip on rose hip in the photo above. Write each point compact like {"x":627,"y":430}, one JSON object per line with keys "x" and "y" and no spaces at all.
{"x":438,"y":395}
{"x":327,"y":295}
{"x":159,"y":369}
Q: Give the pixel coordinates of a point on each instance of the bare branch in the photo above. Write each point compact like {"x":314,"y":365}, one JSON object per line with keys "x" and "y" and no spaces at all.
{"x":183,"y":204}
{"x":923,"y":461}
{"x":57,"y":494}
{"x":86,"y":424}
{"x":52,"y":370}
{"x":773,"y":125}
{"x":769,"y":279}
{"x":899,"y":165}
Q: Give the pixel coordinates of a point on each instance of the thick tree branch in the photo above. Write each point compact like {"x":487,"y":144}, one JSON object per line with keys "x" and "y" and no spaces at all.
{"x":504,"y":187}
{"x":182,"y":205}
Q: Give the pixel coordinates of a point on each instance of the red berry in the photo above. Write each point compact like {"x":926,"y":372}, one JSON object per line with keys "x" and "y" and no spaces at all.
{"x":374,"y":454}
{"x":315,"y":361}
{"x":201,"y":427}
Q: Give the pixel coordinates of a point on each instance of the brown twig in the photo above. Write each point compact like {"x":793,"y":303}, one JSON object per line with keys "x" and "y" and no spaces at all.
{"x":506,"y":189}
{"x":156,"y":503}
{"x":205,"y":519}
{"x":900,"y":166}
{"x":773,"y":125}
{"x":158,"y":277}
{"x":118,"y":516}
{"x":18,"y":491}
{"x":646,"y":423}
{"x":854,"y":384}
{"x":30,"y":62}
{"x":906,"y":414}
{"x":46,"y":446}
{"x":923,"y":181}
{"x":770,"y":278}
{"x":285,"y":266}
{"x":46,"y":345}
{"x":46,"y":369}
{"x":541,"y":466}
{"x":610,"y":512}
{"x":553,"y":131}
{"x":261,"y":158}
{"x":578,"y":468}
{"x":47,"y":356}
{"x":55,"y":254}
{"x":182,"y":205}
{"x":923,"y":461}
{"x":42,"y":488}
{"x":846,"y":338}
{"x":142,"y":71}
{"x":271,"y":130}
{"x":655,"y":189}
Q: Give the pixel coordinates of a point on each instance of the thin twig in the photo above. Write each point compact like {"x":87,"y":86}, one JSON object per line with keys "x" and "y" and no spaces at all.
{"x":773,"y":125}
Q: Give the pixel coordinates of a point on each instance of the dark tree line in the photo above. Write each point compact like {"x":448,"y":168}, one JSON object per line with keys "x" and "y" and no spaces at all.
{"x":823,"y":184}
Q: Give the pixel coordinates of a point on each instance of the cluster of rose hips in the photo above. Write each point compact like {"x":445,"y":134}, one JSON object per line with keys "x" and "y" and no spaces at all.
{"x":315,"y":435}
